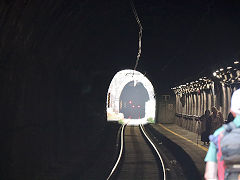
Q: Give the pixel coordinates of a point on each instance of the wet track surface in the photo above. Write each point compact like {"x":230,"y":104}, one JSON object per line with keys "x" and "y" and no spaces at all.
{"x":138,"y":161}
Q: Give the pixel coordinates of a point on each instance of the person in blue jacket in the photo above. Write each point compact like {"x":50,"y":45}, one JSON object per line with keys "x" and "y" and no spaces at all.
{"x":211,"y":157}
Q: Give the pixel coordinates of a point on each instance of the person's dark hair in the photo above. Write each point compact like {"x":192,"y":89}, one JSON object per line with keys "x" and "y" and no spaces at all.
{"x":207,"y":112}
{"x":230,"y":117}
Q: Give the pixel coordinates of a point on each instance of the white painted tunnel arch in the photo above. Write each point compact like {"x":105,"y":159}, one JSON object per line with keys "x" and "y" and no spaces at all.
{"x":117,"y":84}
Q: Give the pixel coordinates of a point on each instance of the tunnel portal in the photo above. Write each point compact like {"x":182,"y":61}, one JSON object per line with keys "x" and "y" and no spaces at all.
{"x":131,"y":98}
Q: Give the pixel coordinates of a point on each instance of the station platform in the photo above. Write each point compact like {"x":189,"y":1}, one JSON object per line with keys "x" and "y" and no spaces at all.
{"x":189,"y":141}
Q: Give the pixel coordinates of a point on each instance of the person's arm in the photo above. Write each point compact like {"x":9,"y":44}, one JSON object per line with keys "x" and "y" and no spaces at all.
{"x":211,"y":171}
{"x":211,"y":162}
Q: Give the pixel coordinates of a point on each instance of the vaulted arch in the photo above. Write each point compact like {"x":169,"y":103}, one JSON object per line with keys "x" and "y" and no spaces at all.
{"x":121,"y":90}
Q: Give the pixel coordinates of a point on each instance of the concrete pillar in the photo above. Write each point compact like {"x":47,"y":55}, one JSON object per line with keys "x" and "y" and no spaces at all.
{"x":224,"y":106}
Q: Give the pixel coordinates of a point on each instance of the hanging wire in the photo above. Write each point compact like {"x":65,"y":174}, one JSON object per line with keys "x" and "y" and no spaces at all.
{"x":140,"y":34}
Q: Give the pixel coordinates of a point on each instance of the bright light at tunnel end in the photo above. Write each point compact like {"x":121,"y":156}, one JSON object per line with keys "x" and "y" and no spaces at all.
{"x":114,"y":104}
{"x":135,"y":122}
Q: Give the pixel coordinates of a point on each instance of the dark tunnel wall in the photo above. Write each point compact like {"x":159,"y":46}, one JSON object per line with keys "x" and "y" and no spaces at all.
{"x":52,"y":97}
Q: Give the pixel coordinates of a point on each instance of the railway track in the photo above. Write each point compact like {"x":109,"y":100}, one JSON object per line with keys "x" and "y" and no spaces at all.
{"x":138,"y":157}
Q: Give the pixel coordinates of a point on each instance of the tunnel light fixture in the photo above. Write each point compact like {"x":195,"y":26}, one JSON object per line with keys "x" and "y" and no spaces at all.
{"x":204,"y":83}
{"x":236,"y":62}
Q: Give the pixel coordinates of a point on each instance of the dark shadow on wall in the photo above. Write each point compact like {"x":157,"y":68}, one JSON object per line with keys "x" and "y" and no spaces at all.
{"x":52,"y":93}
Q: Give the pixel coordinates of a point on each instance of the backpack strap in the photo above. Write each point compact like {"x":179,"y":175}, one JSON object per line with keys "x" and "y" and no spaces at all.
{"x":220,"y":162}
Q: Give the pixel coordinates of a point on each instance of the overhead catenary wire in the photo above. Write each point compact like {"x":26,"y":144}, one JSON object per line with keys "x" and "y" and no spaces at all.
{"x":139,"y":34}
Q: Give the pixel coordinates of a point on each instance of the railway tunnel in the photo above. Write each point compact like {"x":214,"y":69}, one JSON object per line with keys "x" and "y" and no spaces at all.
{"x":131,"y":98}
{"x":58,"y":60}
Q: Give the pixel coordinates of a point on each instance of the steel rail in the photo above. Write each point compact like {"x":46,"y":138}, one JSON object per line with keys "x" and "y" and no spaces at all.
{"x":120,"y":153}
{"x":164,"y":171}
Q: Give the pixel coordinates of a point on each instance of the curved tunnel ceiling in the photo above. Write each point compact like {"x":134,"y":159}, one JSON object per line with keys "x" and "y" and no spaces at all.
{"x":94,"y":36}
